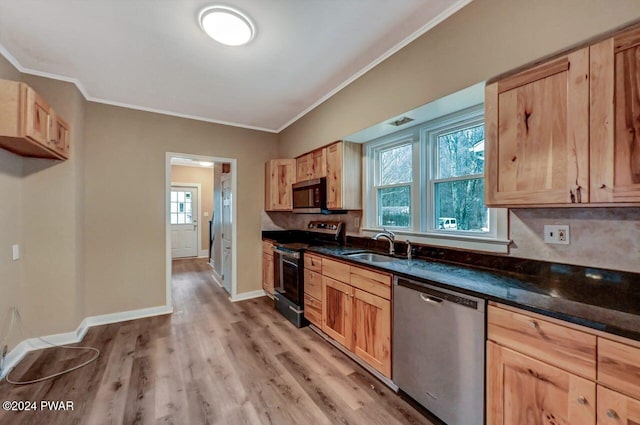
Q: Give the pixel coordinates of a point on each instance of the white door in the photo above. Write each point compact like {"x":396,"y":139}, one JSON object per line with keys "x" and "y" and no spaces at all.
{"x":183,"y":216}
{"x":227,"y":220}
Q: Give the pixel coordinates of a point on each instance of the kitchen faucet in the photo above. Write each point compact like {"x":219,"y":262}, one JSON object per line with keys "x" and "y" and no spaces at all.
{"x":390,"y":236}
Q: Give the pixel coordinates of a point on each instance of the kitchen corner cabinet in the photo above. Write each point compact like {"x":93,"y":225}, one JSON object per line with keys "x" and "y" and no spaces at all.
{"x":344,"y":176}
{"x":614,"y":123}
{"x":537,"y":134}
{"x":268,"y":268}
{"x":279,"y":176}
{"x":29,"y":126}
{"x":312,"y":165}
{"x":543,"y":370}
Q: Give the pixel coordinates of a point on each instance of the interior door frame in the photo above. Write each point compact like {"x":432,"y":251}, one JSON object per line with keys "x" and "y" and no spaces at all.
{"x":198,"y":187}
{"x":234,"y":224}
{"x":223,"y":179}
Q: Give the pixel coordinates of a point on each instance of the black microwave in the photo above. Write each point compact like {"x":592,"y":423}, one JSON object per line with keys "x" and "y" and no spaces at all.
{"x":310,"y":196}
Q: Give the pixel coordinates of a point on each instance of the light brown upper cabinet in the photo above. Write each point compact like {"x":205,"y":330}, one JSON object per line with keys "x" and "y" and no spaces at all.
{"x":312,"y":165}
{"x":279,"y":176}
{"x":29,"y":126}
{"x":537,"y":134}
{"x":567,"y":132}
{"x":615,"y":119}
{"x":344,"y":176}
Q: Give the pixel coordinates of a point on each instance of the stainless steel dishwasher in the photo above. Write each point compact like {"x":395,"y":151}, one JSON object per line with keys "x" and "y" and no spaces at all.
{"x":438,"y":350}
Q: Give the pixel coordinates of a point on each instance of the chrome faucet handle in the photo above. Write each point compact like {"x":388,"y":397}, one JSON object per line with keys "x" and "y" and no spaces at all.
{"x":409,"y":250}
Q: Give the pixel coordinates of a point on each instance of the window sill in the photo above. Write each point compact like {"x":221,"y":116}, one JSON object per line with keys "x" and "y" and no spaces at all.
{"x":475,"y":243}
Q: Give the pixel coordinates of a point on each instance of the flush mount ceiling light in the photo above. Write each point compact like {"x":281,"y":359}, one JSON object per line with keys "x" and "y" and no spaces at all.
{"x":226,"y":25}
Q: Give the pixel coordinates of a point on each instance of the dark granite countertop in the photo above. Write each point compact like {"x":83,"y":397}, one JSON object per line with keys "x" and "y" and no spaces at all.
{"x":605,"y":300}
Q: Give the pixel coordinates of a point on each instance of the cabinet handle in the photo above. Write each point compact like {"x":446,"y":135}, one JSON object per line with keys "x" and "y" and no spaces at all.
{"x":582,"y":400}
{"x":533,"y":324}
{"x":612,"y":414}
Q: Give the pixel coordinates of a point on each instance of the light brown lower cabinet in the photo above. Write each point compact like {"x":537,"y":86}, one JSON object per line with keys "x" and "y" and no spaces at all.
{"x":267,"y":267}
{"x":372,"y":330}
{"x":336,"y":311}
{"x":531,"y":378}
{"x":523,"y":391}
{"x":617,"y":409}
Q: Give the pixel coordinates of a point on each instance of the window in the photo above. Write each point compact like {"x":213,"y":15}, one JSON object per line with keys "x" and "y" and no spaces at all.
{"x":429,"y":180}
{"x":181,"y":207}
{"x":394,"y":186}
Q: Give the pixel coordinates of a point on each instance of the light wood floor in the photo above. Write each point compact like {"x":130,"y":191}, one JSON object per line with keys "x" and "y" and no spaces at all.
{"x":210,"y":362}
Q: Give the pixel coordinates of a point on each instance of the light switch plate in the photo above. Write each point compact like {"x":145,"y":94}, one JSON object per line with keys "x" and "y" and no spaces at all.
{"x":16,"y":252}
{"x":556,"y":234}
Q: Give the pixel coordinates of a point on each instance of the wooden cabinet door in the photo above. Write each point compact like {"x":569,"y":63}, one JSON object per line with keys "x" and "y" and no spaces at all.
{"x":521,"y":391}
{"x":336,"y":311}
{"x":36,"y":116}
{"x":334,"y":176}
{"x":617,"y":409}
{"x":279,"y":174}
{"x":537,"y":134}
{"x":372,"y":330}
{"x":58,"y":135}
{"x":303,"y":167}
{"x":318,"y":164}
{"x":614,"y":124}
{"x":267,"y":273}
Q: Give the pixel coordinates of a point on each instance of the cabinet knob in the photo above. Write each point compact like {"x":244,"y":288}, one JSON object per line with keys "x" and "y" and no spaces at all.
{"x":612,"y":414}
{"x":533,"y":324}
{"x":582,"y":400}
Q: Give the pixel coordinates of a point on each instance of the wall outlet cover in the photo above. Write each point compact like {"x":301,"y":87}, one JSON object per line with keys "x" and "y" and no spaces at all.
{"x":556,"y":234}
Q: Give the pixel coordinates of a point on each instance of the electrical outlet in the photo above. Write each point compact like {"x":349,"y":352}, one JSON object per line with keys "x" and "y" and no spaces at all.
{"x":556,"y":234}
{"x":356,"y":222}
{"x":15,"y":251}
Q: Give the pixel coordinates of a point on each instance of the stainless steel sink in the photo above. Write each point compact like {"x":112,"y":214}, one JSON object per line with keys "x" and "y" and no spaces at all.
{"x":370,"y":256}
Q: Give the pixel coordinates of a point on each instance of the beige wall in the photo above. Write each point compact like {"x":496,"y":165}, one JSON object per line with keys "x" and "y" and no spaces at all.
{"x":45,"y":218}
{"x":486,"y":38}
{"x":203,"y":176}
{"x":10,"y":220}
{"x":124,"y":200}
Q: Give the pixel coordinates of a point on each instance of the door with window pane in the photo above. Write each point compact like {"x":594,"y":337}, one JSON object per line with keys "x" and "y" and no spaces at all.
{"x":183,"y":217}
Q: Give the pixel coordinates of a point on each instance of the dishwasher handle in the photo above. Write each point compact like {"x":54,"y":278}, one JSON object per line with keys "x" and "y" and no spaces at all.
{"x":430,"y":299}
{"x":437,"y":295}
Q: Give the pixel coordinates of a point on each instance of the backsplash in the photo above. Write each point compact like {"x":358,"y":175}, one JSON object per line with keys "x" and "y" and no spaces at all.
{"x":275,"y":220}
{"x":599,"y":237}
{"x":606,"y":238}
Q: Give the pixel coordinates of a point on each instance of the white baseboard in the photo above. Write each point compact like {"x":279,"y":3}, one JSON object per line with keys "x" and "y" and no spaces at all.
{"x":248,"y":295}
{"x":203,"y":253}
{"x":14,"y":356}
{"x":217,"y":278}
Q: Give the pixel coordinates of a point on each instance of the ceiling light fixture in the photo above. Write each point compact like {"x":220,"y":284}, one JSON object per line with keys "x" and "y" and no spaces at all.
{"x":226,"y":25}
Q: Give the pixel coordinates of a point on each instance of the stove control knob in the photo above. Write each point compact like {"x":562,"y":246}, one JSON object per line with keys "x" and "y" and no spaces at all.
{"x":310,"y":225}
{"x":334,"y":227}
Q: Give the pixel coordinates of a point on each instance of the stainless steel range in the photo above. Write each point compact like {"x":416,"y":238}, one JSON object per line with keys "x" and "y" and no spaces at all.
{"x":289,"y":270}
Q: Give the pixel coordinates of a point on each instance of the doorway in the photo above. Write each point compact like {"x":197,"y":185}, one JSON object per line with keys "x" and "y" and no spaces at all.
{"x":227,"y":223}
{"x":184,"y":203}
{"x":180,"y":229}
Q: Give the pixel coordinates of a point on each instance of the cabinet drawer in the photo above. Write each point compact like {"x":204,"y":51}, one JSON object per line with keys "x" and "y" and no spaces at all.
{"x":566,"y":348}
{"x":313,"y":284}
{"x":313,"y":263}
{"x":619,"y":366}
{"x":370,"y":281}
{"x":266,"y":247}
{"x":336,"y":270}
{"x":313,"y":310}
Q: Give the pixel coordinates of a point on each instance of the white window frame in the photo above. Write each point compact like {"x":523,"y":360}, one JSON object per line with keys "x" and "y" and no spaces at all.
{"x":424,"y":163}
{"x":377,"y":176}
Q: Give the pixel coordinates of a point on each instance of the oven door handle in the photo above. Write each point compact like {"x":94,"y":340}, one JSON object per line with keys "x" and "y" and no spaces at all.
{"x":284,"y":253}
